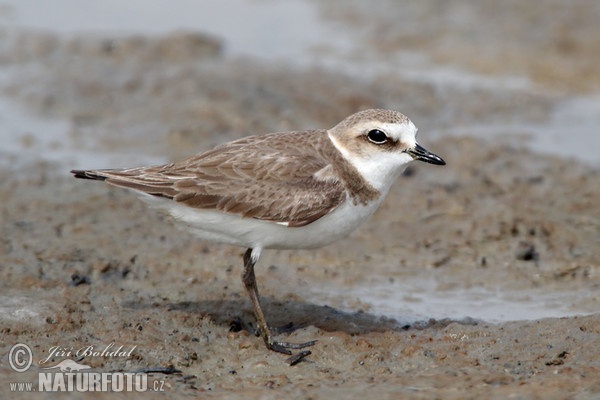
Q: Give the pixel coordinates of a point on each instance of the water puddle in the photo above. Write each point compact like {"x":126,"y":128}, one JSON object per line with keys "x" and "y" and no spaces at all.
{"x":572,"y":131}
{"x":246,"y":26}
{"x":419,"y":299}
{"x":30,"y":140}
{"x":25,"y":138}
{"x":14,"y":309}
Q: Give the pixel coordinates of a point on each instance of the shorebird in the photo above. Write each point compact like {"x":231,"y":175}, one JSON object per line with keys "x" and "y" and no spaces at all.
{"x":293,"y":190}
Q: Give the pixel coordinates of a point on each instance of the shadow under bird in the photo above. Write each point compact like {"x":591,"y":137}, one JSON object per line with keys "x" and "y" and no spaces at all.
{"x":292,"y":190}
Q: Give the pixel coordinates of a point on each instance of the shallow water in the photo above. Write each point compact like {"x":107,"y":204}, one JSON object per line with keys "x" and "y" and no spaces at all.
{"x":240,"y":23}
{"x":417,"y":299}
{"x":571,"y":131}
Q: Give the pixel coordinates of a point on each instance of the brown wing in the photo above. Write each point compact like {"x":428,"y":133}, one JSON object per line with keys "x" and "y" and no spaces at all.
{"x":268,"y":177}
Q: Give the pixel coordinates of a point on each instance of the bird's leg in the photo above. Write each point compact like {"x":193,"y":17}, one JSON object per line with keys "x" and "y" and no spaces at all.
{"x":249,"y":280}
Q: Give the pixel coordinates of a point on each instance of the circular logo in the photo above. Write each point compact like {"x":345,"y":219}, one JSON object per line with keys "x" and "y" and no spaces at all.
{"x":20,"y":357}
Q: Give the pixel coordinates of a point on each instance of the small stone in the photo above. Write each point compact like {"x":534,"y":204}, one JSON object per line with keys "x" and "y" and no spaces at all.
{"x":526,"y":252}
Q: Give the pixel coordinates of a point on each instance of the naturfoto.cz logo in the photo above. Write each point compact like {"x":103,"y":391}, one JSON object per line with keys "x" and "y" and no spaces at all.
{"x":71,"y":376}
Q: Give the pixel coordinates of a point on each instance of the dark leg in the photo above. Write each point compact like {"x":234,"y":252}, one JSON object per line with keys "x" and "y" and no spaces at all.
{"x":250,"y":283}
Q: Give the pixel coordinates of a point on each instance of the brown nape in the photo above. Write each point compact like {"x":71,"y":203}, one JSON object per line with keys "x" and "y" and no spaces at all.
{"x":82,"y":174}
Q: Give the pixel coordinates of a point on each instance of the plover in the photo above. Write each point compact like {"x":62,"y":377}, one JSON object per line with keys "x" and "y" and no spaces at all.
{"x":293,"y":190}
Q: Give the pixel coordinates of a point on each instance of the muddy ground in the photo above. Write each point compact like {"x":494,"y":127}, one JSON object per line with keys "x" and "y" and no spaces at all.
{"x":83,"y":264}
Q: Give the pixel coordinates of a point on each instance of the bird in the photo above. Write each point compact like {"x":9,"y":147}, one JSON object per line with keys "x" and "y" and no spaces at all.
{"x":290,"y":190}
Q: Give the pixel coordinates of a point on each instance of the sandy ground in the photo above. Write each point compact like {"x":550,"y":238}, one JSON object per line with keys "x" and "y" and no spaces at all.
{"x":83,"y":264}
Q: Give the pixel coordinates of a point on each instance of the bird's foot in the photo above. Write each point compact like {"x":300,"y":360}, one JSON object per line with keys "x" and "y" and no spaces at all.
{"x":287,"y":347}
{"x":284,"y":347}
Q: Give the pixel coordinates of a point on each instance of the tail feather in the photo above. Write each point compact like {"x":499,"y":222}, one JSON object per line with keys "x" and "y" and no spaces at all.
{"x":88,"y":174}
{"x":123,"y":178}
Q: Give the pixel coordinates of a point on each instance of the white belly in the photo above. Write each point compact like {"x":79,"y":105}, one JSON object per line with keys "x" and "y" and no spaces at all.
{"x":253,"y":233}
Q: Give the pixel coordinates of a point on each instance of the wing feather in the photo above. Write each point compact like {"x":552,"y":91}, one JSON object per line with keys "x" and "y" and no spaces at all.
{"x":269,"y":177}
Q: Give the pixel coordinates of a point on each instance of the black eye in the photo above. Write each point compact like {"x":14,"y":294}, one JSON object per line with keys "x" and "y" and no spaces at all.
{"x":376,"y":136}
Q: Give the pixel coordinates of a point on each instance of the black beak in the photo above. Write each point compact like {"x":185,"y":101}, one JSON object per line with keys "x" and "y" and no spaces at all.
{"x":419,"y":153}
